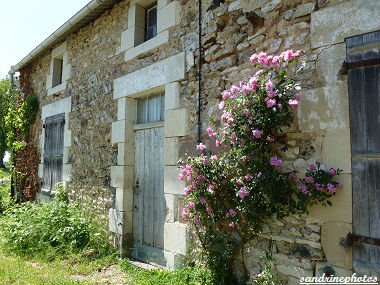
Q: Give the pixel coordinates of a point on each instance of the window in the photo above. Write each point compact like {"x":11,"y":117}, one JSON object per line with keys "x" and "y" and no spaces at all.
{"x":53,"y":151}
{"x":151,"y":21}
{"x":57,"y":71}
{"x":151,"y":109}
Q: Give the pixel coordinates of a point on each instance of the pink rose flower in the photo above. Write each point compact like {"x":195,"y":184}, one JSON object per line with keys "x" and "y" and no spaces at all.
{"x":209,"y":210}
{"x":243,"y":192}
{"x":259,"y":174}
{"x":257,"y":133}
{"x":279,"y":106}
{"x":331,"y":188}
{"x":239,"y":181}
{"x":214,"y":157}
{"x":226,"y":94}
{"x":332,"y":171}
{"x":309,"y":179}
{"x":269,"y":85}
{"x":202,"y":200}
{"x":201,"y":147}
{"x":222,"y":105}
{"x":191,"y":205}
{"x":187,"y":190}
{"x":275,"y":162}
{"x":258,"y":73}
{"x":232,"y":225}
{"x":218,"y":143}
{"x":271,"y":103}
{"x":247,"y":89}
{"x":293,"y":176}
{"x":248,"y":177}
{"x":246,"y":112}
{"x":234,"y":89}
{"x":293,"y":103}
{"x":185,"y":213}
{"x":201,"y":178}
{"x":232,"y":213}
{"x":233,"y":137}
{"x":312,"y":168}
{"x":197,"y":222}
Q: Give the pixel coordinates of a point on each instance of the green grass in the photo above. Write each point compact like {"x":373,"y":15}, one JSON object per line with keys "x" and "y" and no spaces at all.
{"x":183,"y":276}
{"x":5,"y":172}
{"x":20,"y":270}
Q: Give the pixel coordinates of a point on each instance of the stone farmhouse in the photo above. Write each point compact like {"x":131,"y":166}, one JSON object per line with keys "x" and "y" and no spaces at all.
{"x":122,"y":100}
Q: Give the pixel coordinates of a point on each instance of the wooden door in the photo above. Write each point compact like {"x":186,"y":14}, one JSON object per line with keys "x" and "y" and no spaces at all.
{"x":149,"y":200}
{"x":364,"y":99}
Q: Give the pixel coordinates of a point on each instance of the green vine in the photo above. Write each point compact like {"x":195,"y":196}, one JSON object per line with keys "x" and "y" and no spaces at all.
{"x":231,"y":195}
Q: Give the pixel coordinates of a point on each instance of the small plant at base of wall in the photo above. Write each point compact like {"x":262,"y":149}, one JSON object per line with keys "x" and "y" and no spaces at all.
{"x":230,"y":195}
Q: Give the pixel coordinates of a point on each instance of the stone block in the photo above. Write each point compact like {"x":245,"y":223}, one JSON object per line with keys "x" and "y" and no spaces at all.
{"x":294,"y":271}
{"x":66,"y":172}
{"x":124,"y":200}
{"x":176,"y":123}
{"x":329,"y":64}
{"x":324,"y":108}
{"x":333,"y":236}
{"x":127,"y":39}
{"x":304,"y":9}
{"x":173,"y":260}
{"x":120,"y":222}
{"x":333,"y":24}
{"x":175,"y":237}
{"x":126,"y":109}
{"x":122,"y":177}
{"x":155,"y":75}
{"x":146,"y":46}
{"x":67,"y":138}
{"x":336,"y":149}
{"x":40,"y":170}
{"x":162,"y":3}
{"x":172,"y":96}
{"x":172,"y":185}
{"x":126,"y":153}
{"x":171,"y":208}
{"x":66,"y":72}
{"x":121,"y":130}
{"x":59,"y":50}
{"x":171,"y":155}
{"x":136,"y":16}
{"x":341,"y":210}
{"x":168,"y":16}
{"x":329,"y":269}
{"x":57,"y":89}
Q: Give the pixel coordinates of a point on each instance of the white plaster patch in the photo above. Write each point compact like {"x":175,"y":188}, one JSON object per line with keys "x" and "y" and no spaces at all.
{"x":350,"y":18}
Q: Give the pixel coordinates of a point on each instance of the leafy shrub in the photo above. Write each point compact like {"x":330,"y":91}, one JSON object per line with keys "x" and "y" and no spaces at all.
{"x":32,"y":228}
{"x":5,"y":199}
{"x":190,"y":275}
{"x":266,"y":275}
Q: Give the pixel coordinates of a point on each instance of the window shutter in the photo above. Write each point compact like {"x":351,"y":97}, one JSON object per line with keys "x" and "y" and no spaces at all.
{"x":364,"y":97}
{"x":53,"y":151}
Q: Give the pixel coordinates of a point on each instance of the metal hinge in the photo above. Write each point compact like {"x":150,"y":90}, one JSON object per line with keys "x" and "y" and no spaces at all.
{"x":351,"y":238}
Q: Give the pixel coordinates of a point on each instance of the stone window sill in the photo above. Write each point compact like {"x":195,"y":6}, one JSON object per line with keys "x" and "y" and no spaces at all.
{"x":158,"y":40}
{"x":56,"y":89}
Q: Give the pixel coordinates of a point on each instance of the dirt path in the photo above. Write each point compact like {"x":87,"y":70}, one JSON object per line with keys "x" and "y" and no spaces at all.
{"x":111,"y":275}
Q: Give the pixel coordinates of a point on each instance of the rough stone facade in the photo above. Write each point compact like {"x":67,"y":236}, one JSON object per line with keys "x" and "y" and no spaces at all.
{"x":231,"y":33}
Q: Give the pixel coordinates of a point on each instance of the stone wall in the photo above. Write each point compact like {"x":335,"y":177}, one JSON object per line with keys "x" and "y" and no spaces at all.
{"x":231,"y":33}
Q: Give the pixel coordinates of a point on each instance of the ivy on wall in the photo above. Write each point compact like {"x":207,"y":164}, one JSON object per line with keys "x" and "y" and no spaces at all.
{"x":230,"y":195}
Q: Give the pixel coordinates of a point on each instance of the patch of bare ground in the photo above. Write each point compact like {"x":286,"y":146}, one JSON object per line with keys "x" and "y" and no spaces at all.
{"x":111,"y":275}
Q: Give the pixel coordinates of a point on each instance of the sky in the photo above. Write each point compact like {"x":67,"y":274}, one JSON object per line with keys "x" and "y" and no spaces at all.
{"x":24,"y":24}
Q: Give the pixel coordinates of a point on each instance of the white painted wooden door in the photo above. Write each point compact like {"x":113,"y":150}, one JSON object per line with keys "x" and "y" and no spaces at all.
{"x":149,"y":200}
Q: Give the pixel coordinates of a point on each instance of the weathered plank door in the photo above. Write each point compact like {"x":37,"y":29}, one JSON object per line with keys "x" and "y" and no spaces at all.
{"x":149,"y":200}
{"x":364,"y":98}
{"x":53,"y":154}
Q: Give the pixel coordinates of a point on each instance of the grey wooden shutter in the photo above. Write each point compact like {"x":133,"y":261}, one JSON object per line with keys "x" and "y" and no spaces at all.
{"x":53,"y":152}
{"x":364,"y":97}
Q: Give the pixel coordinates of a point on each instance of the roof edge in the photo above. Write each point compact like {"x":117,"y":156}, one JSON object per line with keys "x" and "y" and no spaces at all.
{"x":70,"y":26}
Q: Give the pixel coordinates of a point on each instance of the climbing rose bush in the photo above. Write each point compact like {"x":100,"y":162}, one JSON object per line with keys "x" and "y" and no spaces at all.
{"x":230,"y":194}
